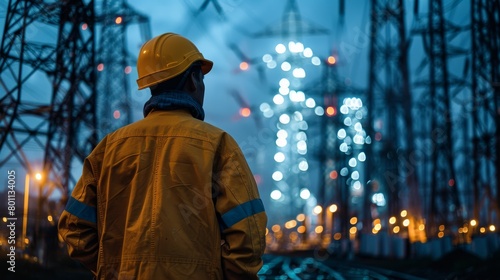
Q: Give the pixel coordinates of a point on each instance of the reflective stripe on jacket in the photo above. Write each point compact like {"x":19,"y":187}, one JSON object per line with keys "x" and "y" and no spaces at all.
{"x":152,"y":201}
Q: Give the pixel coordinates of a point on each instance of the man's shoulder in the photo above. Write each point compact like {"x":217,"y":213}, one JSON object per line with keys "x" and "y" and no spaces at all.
{"x":172,"y":124}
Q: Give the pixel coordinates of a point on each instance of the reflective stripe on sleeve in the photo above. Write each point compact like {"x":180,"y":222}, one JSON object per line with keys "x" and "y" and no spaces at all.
{"x":81,"y":210}
{"x":241,"y":212}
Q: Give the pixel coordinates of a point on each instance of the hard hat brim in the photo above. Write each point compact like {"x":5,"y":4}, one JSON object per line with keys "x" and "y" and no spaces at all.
{"x":163,"y":75}
{"x":206,"y":66}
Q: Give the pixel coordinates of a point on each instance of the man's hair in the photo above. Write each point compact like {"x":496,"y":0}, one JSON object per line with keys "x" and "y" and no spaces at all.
{"x":176,"y":82}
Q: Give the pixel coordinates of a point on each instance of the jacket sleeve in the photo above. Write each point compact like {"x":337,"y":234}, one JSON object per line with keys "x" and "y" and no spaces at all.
{"x":78,"y":222}
{"x":241,"y":212}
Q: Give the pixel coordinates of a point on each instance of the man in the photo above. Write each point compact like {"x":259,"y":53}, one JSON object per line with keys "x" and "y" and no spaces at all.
{"x":169,"y":196}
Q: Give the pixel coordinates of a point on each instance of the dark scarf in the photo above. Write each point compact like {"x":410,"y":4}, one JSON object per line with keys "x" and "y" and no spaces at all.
{"x":173,"y":100}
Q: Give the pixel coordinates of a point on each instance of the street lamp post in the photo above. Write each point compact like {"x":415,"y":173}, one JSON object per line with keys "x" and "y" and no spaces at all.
{"x":330,"y":220}
{"x":26,"y":204}
{"x":38,"y":235}
{"x":38,"y":177}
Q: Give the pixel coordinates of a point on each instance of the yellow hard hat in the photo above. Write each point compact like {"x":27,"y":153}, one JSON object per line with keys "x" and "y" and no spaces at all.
{"x":166,"y":56}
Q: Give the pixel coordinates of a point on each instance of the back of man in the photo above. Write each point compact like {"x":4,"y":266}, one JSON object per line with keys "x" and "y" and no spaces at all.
{"x":167,"y":197}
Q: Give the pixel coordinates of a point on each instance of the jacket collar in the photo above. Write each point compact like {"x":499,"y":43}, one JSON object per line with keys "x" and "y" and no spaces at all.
{"x":173,"y":100}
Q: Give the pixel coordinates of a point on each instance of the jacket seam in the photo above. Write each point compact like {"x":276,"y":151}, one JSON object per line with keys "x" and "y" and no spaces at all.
{"x":164,"y":136}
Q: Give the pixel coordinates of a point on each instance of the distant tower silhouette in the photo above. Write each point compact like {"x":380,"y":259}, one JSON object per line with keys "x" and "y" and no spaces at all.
{"x":389,"y":102}
{"x":333,"y":153}
{"x":485,"y":33}
{"x":292,"y":143}
{"x":440,"y":134}
{"x":114,"y":63}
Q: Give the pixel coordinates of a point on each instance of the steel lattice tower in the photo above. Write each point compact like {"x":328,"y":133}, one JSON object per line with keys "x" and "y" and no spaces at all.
{"x":334,"y":188}
{"x":60,"y":122}
{"x":113,"y":63}
{"x":485,"y":33}
{"x":292,"y":28}
{"x":389,"y":102}
{"x":443,"y":133}
{"x":57,"y":124}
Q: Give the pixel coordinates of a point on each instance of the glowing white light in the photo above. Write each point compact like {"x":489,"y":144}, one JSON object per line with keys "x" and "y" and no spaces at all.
{"x":358,"y":139}
{"x":303,"y":125}
{"x":266,"y":58}
{"x":284,"y":90}
{"x":284,"y":82}
{"x":379,"y":199}
{"x":305,"y":194}
{"x":280,"y":48}
{"x":310,"y":103}
{"x":301,"y":96}
{"x":353,"y":162}
{"x":303,"y":165}
{"x":299,"y":47}
{"x":292,"y":46}
{"x":269,"y":113}
{"x":356,"y":185}
{"x":358,"y":103}
{"x":355,"y":175}
{"x":299,"y":73}
{"x":281,"y":142}
{"x":316,"y":61}
{"x":358,"y":127}
{"x":284,"y":119}
{"x":301,"y":145}
{"x":301,"y":136}
{"x":282,"y":133}
{"x":286,"y":66}
{"x":272,"y":64}
{"x":344,"y":109}
{"x":319,"y":111}
{"x":344,"y":171}
{"x":353,"y":103}
{"x":297,"y":116}
{"x":264,"y":107}
{"x":341,"y":134}
{"x":347,"y":121}
{"x":297,"y":96}
{"x":308,"y":52}
{"x":279,"y":157}
{"x":277,"y":176}
{"x":362,"y":156}
{"x":276,"y":194}
{"x":278,"y":99}
{"x":344,"y":147}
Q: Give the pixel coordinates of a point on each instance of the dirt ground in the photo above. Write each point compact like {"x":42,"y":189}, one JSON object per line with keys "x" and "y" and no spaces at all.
{"x":457,"y":264}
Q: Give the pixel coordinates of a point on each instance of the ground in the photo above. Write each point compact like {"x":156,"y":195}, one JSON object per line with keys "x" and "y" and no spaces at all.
{"x":458,"y":264}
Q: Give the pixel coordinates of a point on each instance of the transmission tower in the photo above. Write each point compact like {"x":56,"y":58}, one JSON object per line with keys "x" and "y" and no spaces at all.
{"x":440,"y":134}
{"x":485,"y":33}
{"x":291,"y":175}
{"x":340,"y":144}
{"x":292,"y":26}
{"x":389,"y":122}
{"x":57,"y":125}
{"x":114,"y":63}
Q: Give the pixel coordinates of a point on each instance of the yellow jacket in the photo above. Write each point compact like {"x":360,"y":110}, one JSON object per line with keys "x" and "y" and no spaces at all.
{"x":154,"y":198}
